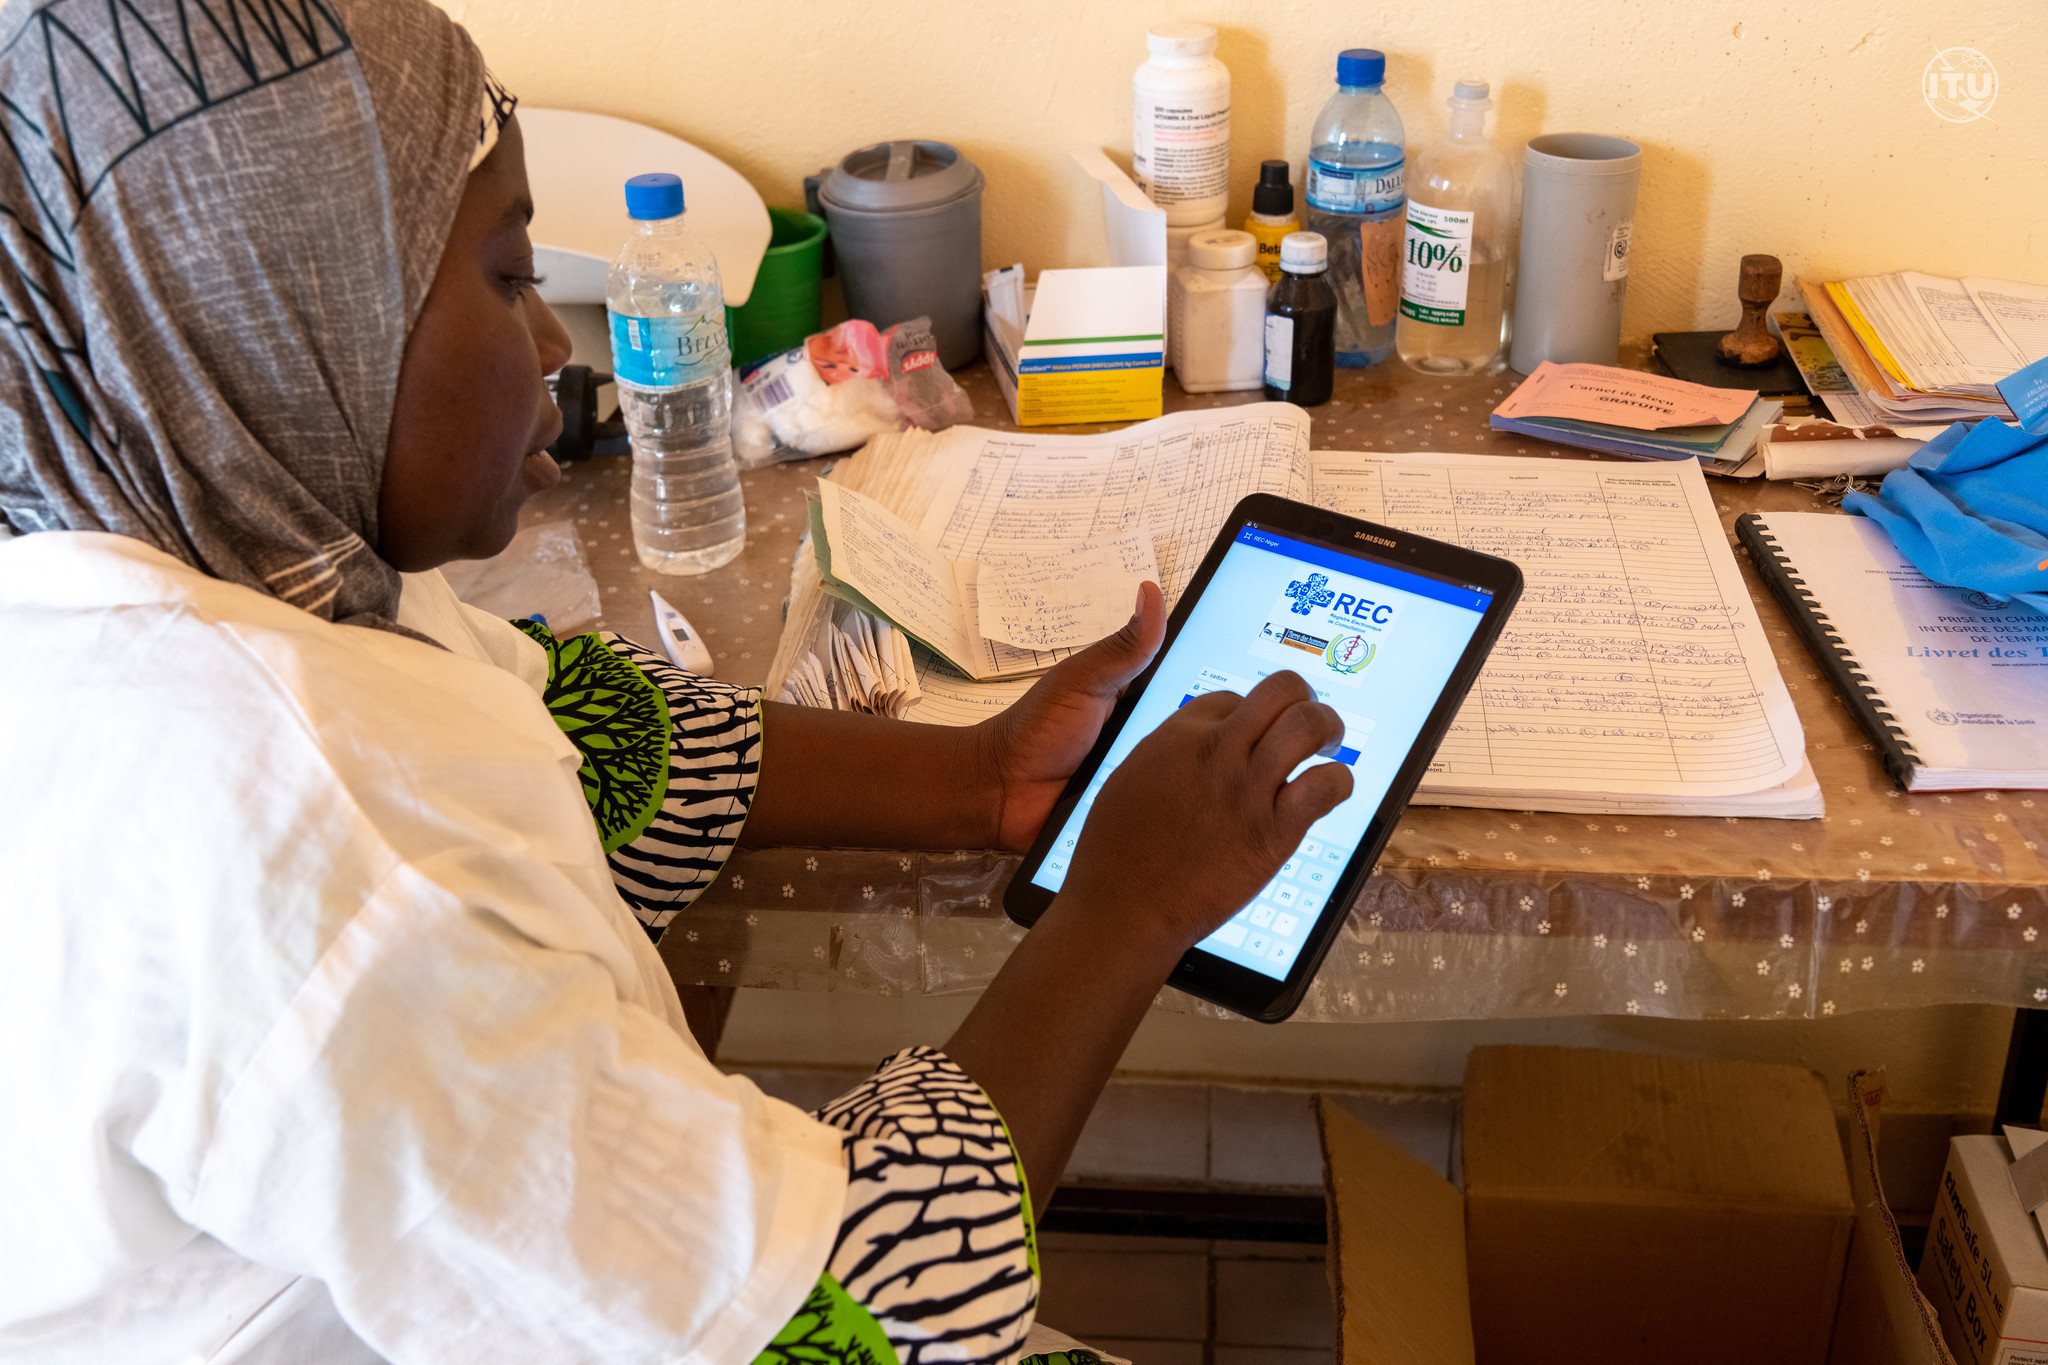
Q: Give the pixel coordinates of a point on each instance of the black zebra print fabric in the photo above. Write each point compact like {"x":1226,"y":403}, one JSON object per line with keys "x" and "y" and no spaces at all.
{"x":714,"y":760}
{"x":937,"y":1239}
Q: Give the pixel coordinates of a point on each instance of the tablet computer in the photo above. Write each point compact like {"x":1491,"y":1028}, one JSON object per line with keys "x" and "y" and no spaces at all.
{"x":1390,"y":630}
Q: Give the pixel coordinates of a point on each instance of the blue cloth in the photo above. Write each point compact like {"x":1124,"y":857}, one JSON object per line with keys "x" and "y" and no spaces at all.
{"x":1970,"y":509}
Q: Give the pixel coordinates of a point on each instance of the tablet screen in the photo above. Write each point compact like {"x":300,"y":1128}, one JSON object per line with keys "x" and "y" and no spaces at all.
{"x":1376,"y":642}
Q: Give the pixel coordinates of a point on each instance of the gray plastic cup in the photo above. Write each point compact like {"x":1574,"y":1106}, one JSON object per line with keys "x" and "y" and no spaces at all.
{"x":906,"y":232}
{"x":1578,"y":225}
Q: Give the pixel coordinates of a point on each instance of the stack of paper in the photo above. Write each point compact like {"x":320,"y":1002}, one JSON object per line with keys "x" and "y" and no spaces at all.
{"x":1005,"y":612}
{"x":1645,"y":416}
{"x":849,"y":660}
{"x":1921,"y":348}
{"x":1633,"y":678}
{"x":1063,"y":525}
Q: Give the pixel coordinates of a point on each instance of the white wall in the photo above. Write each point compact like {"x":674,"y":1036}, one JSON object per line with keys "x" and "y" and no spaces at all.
{"x":1794,"y":129}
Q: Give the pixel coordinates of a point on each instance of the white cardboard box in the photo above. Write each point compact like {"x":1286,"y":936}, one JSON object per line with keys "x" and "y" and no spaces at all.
{"x":1086,"y":345}
{"x":1985,"y":1268}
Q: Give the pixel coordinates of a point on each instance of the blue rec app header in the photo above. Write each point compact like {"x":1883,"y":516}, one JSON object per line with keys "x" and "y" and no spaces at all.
{"x":1323,"y":557}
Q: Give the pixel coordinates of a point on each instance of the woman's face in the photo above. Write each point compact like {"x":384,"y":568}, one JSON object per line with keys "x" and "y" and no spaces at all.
{"x":473,"y":419}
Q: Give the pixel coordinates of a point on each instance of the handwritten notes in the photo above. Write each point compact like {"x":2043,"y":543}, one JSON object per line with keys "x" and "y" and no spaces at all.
{"x":902,"y":573}
{"x":1623,"y":398}
{"x":987,"y":618}
{"x":1064,"y":598}
{"x":1635,"y":663}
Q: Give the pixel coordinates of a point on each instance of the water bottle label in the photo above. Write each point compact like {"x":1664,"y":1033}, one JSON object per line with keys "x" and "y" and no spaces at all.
{"x":1356,"y":189}
{"x":1437,"y":265}
{"x":1279,"y":352}
{"x":667,"y":353}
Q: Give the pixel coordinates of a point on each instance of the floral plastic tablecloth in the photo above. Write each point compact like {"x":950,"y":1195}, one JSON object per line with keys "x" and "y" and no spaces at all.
{"x":1889,"y":900}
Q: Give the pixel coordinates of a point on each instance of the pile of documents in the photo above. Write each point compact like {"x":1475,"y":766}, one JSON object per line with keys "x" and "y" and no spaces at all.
{"x":1848,"y":437}
{"x":1006,"y":612}
{"x":1919,"y":348}
{"x":1633,"y":678}
{"x":1645,"y":416}
{"x":1062,"y":527}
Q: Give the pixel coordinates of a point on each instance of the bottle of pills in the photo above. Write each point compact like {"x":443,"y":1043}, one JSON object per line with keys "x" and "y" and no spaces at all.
{"x":1180,"y":124}
{"x":1216,"y":314}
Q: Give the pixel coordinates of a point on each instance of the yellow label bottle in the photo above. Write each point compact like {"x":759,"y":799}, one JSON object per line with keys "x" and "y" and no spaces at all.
{"x":1272,"y":216}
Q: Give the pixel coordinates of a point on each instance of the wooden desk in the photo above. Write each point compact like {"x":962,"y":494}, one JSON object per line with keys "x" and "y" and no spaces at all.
{"x":1890,"y":900}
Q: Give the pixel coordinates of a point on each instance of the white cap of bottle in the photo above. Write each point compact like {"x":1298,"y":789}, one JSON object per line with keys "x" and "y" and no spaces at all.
{"x":1181,"y":40}
{"x":1470,"y":94}
{"x":1222,"y":249}
{"x":1304,"y":253}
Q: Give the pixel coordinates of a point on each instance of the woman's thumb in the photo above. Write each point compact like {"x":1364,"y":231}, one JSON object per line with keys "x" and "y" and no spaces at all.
{"x":1124,"y":655}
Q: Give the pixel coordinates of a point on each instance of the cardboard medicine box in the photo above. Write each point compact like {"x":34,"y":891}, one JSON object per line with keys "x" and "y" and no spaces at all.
{"x":1086,"y":345}
{"x":1985,"y":1268}
{"x":1617,"y":1207}
{"x":1092,"y":347}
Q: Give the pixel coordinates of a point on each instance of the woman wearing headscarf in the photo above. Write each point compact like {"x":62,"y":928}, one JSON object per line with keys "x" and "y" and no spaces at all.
{"x":332,"y":1027}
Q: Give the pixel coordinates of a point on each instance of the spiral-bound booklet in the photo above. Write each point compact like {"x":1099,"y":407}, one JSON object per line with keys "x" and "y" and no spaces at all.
{"x":1952,"y":685}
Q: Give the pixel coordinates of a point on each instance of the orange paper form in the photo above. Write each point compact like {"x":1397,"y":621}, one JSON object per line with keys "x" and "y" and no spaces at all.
{"x":1624,"y":398}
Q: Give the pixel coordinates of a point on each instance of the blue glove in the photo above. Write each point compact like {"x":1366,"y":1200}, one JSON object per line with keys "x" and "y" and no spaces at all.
{"x":1970,"y":509}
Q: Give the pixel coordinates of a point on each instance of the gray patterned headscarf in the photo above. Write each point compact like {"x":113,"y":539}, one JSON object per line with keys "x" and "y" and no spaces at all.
{"x":218,"y":222}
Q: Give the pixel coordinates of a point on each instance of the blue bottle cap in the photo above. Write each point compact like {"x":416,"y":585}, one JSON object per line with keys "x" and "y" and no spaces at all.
{"x":657,"y":195}
{"x":1361,"y":66}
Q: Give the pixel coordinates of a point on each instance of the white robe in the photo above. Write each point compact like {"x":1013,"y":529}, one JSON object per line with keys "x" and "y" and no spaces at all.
{"x":323,"y":1034}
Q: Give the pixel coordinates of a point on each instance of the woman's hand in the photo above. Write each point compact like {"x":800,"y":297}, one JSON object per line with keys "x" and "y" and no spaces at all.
{"x":1202,"y":813}
{"x":1031,"y":749}
{"x":1185,"y":831}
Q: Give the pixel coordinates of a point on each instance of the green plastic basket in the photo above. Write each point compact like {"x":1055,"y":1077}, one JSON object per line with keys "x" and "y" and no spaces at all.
{"x":783,"y":309}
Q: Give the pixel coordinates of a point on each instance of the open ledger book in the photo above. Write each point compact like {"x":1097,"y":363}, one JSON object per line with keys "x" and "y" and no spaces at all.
{"x":1633,"y":678}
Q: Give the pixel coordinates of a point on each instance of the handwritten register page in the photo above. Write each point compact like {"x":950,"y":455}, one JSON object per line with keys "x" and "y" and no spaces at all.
{"x":1634,"y":664}
{"x":1179,"y":476}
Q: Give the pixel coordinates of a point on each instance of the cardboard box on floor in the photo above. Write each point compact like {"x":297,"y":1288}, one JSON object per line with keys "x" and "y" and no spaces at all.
{"x":1622,"y":1207}
{"x":1984,"y":1268}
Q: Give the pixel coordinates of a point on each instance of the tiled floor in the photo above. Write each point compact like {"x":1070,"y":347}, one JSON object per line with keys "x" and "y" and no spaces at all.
{"x":1175,"y":1301}
{"x":1191,"y":1134}
{"x":1166,"y":1301}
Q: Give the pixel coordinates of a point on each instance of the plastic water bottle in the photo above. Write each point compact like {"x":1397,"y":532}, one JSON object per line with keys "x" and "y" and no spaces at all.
{"x":1356,"y":200}
{"x":673,"y":368}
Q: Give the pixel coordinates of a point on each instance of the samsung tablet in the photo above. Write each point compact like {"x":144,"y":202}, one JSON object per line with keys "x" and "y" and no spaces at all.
{"x":1389,"y":628}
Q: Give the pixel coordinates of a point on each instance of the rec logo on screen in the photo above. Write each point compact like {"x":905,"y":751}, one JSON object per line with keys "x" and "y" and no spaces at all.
{"x":1960,"y":85}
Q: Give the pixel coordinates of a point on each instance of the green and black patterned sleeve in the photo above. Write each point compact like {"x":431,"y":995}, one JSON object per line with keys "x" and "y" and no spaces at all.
{"x":936,"y":1261}
{"x":670,"y":761}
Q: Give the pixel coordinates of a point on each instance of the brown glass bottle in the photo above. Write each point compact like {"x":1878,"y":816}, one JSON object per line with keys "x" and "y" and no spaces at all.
{"x":1301,"y":324}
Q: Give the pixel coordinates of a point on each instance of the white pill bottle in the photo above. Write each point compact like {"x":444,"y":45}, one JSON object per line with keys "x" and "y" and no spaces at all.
{"x":1180,"y":126}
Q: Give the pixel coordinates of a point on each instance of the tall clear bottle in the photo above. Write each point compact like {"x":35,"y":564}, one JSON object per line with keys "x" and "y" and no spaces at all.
{"x":1454,"y":266}
{"x":673,"y":368}
{"x":1355,"y":199}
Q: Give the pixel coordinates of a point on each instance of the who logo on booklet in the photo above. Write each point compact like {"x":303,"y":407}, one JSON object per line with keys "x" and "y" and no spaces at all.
{"x":1960,"y":85}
